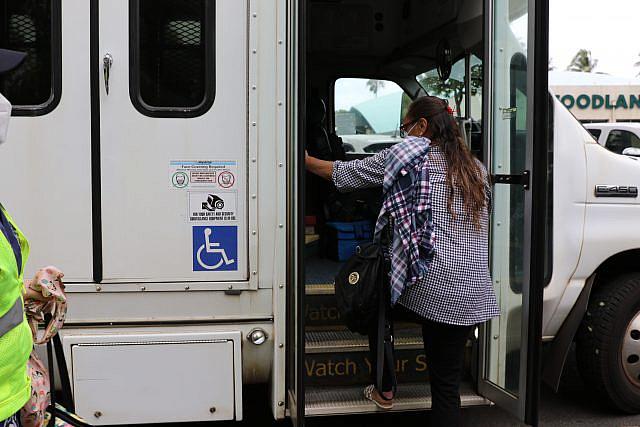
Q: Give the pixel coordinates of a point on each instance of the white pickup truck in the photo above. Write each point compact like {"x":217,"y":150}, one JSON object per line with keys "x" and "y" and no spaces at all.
{"x":619,"y":137}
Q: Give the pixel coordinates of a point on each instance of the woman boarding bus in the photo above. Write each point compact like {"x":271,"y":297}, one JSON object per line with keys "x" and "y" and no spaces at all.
{"x":454,"y":292}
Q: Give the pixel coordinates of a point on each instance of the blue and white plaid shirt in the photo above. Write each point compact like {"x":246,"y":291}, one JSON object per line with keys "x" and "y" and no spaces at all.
{"x":457,"y":287}
{"x":407,"y":199}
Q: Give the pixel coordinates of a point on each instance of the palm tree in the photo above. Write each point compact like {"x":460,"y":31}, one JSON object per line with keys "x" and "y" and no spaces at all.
{"x":375,"y":85}
{"x":583,"y":62}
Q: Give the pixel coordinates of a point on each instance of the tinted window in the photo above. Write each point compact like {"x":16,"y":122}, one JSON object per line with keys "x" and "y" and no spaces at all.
{"x":595,"y":132}
{"x":518,"y":163}
{"x":172,"y":61}
{"x":33,"y":27}
{"x":619,"y":139}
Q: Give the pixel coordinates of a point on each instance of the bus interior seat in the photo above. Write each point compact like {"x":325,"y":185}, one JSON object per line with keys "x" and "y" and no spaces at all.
{"x":318,"y":143}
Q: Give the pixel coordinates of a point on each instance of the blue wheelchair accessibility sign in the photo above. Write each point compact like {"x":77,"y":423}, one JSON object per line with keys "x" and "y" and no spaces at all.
{"x":215,"y":248}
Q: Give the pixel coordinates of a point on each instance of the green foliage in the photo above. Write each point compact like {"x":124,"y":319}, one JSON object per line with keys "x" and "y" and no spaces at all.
{"x":453,"y":88}
{"x":583,"y":62}
{"x":375,"y":85}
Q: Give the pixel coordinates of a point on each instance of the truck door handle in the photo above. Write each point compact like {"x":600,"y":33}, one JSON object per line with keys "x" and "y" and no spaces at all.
{"x":523,"y":179}
{"x":107,"y":62}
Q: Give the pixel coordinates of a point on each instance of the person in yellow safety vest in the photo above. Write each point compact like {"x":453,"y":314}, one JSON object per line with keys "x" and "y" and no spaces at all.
{"x":15,"y":335}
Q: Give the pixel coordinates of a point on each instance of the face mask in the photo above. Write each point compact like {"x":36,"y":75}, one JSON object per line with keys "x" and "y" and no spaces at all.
{"x":5,"y":115}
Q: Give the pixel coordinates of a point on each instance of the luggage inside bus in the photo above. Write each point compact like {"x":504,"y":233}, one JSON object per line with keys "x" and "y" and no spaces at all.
{"x":365,"y":62}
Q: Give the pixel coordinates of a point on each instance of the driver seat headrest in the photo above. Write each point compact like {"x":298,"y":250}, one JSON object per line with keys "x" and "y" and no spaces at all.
{"x":317,"y":111}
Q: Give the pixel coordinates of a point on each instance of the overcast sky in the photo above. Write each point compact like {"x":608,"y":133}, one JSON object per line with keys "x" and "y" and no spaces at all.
{"x":610,"y":29}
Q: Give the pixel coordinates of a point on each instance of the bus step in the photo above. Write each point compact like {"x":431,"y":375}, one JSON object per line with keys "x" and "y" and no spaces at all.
{"x":350,"y":400}
{"x":328,"y":341}
{"x":314,"y":289}
{"x":341,"y":357}
{"x":321,"y":308}
{"x":355,"y":367}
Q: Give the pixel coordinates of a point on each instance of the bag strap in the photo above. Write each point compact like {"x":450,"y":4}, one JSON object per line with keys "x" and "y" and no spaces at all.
{"x":64,"y":373}
{"x":385,"y":337}
{"x":52,"y":385}
{"x":382,"y":317}
{"x":55,"y":345}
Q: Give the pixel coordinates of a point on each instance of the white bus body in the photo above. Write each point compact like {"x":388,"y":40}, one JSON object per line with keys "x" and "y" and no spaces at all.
{"x":176,"y":303}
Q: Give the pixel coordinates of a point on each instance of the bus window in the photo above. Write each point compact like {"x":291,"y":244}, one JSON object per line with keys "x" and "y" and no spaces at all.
{"x":454,"y":90}
{"x":34,"y":88}
{"x":172,"y":60}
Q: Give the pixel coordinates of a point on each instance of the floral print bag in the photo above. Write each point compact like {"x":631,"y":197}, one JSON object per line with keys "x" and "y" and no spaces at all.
{"x":48,"y":283}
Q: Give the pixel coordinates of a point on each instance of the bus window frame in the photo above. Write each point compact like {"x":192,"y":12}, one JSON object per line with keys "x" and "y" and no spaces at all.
{"x":135,"y":93}
{"x":56,"y":70}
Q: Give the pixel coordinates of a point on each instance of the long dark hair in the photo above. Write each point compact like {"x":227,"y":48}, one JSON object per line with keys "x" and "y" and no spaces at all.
{"x":463,"y":170}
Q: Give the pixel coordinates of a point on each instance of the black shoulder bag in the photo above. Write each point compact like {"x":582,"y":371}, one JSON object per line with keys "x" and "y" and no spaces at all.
{"x":362,"y":292}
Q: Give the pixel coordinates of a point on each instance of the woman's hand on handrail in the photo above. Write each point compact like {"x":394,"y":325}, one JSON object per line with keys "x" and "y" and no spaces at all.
{"x":322,"y":168}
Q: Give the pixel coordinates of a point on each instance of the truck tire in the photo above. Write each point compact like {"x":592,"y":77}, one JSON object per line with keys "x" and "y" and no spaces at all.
{"x":608,"y":343}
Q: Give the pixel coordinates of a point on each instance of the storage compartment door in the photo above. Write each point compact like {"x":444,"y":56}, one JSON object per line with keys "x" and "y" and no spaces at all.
{"x":156,"y":382}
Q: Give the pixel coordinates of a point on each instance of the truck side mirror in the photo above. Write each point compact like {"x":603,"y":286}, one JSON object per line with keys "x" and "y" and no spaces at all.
{"x":631,"y":151}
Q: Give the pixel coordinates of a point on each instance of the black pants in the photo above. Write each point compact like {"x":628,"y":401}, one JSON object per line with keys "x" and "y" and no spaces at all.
{"x":444,"y":350}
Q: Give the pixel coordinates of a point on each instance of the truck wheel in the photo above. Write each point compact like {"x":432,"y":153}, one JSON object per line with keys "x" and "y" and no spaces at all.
{"x":608,"y":343}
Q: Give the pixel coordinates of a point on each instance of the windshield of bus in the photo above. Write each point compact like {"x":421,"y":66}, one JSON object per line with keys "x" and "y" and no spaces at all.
{"x":368,"y":113}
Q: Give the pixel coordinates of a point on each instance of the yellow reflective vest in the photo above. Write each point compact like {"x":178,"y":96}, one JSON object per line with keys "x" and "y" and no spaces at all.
{"x":16,"y":343}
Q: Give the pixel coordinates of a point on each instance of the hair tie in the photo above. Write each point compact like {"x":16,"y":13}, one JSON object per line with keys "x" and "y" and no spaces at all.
{"x":449,"y":110}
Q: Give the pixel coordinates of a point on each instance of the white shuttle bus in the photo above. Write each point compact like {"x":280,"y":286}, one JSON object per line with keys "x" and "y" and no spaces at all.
{"x":156,"y":156}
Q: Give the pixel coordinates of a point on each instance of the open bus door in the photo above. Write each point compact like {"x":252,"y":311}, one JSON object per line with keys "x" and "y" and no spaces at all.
{"x":515,"y":91}
{"x":516,"y":103}
{"x":296,"y":92}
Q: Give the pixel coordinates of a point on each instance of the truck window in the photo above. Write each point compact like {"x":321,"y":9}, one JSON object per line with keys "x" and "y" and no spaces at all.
{"x":595,"y":132}
{"x":172,"y":57}
{"x":33,"y":27}
{"x":368,"y":113}
{"x":619,"y":139}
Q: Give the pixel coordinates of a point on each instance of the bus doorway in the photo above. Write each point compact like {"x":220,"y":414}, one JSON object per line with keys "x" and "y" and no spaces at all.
{"x":361,"y":62}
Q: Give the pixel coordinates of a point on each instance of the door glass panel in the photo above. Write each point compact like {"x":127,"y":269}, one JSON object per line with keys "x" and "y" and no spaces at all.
{"x":509,"y":139}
